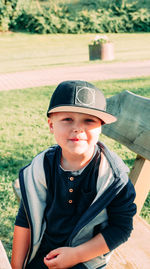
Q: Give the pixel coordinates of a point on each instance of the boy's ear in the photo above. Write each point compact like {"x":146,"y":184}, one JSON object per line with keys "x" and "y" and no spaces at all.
{"x":50,"y":123}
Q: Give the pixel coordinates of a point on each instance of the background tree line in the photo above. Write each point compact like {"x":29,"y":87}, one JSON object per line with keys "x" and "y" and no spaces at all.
{"x":73,"y":17}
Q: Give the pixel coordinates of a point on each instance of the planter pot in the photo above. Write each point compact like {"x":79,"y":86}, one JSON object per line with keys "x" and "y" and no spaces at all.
{"x":94,"y":52}
{"x":101,"y":51}
{"x":107,"y":52}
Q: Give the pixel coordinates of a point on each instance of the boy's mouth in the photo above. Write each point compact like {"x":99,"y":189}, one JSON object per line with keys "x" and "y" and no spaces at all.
{"x":75,"y":139}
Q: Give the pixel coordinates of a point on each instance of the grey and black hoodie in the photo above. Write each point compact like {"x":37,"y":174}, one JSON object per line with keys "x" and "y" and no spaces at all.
{"x":112,"y":208}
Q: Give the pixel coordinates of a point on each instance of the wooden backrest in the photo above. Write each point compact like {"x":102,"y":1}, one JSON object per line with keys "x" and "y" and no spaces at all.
{"x":132,"y":129}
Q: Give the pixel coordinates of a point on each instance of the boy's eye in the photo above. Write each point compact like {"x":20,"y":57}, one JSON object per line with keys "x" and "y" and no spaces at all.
{"x":67,"y":119}
{"x":89,"y":120}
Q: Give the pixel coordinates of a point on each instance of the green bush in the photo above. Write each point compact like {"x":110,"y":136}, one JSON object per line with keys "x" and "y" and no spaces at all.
{"x":4,"y":16}
{"x":35,"y":23}
{"x":141,"y":20}
{"x":45,"y":18}
{"x":4,"y":23}
{"x":8,"y":13}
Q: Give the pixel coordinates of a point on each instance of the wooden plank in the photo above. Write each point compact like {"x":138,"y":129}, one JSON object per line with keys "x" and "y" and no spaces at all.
{"x":132,"y":128}
{"x":139,"y":176}
{"x":4,"y":262}
{"x":135,"y":253}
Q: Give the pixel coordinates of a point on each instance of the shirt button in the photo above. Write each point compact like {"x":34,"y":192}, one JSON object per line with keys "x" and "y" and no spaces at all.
{"x":70,"y":190}
{"x":71,"y":178}
{"x":70,"y":201}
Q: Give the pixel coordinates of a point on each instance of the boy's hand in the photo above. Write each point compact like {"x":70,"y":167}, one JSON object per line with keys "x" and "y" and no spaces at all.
{"x":66,"y":257}
{"x":61,"y":258}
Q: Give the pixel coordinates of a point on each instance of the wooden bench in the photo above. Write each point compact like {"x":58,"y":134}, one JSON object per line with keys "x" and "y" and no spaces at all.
{"x":132,"y":130}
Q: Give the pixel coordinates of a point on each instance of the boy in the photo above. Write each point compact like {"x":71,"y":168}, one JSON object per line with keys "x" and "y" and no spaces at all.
{"x":77,"y":201}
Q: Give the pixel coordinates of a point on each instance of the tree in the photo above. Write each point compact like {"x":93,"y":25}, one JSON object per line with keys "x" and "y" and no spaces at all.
{"x":120,"y":3}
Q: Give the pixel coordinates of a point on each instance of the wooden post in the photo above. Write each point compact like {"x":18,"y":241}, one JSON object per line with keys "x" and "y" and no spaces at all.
{"x":140,"y":177}
{"x":4,"y":262}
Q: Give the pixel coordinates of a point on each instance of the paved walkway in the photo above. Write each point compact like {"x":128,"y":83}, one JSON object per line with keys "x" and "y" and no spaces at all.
{"x":91,"y":72}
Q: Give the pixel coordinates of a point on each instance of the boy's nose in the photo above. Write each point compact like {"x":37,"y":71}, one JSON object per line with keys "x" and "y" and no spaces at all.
{"x":78,"y":127}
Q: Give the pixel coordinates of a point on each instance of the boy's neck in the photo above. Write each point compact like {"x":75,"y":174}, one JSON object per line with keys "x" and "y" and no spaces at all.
{"x":74,"y":163}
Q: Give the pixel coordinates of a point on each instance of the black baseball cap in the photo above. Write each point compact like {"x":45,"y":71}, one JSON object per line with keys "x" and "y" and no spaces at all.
{"x":80,"y":96}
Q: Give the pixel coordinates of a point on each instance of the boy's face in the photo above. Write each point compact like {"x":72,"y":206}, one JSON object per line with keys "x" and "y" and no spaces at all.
{"x":75,"y":133}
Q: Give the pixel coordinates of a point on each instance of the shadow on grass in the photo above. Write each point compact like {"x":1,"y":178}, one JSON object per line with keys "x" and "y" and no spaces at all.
{"x":11,"y":166}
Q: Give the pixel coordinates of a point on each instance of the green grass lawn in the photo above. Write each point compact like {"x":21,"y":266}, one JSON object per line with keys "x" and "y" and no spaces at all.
{"x":20,"y":51}
{"x":24,"y":133}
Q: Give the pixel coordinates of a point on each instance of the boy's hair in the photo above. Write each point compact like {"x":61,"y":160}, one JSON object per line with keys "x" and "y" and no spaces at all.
{"x":80,"y":96}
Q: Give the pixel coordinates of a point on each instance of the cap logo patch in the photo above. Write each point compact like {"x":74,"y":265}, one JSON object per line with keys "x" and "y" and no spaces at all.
{"x":85,"y":96}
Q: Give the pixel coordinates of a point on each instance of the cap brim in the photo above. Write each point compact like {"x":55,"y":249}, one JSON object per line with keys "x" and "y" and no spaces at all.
{"x":107,"y":118}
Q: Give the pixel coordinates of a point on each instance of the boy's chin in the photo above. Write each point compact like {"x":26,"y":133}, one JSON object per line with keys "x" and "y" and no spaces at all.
{"x":79,"y":151}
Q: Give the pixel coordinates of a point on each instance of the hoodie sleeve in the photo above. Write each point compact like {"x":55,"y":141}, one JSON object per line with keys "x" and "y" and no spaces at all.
{"x":120,"y":217}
